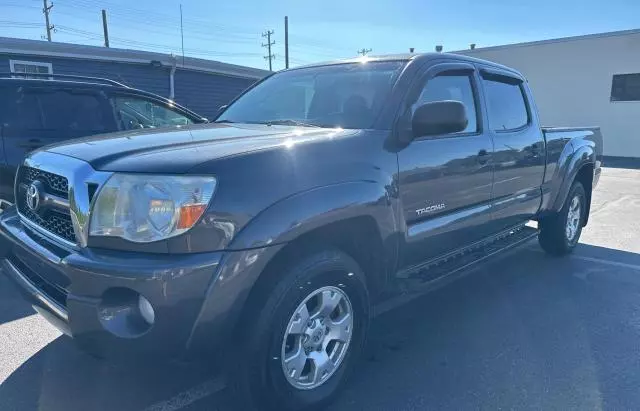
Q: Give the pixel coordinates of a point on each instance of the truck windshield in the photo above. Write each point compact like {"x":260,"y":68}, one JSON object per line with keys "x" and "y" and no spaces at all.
{"x":349,"y":96}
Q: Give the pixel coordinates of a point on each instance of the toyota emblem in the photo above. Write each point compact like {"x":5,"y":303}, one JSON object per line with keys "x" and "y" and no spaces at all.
{"x":33,"y":196}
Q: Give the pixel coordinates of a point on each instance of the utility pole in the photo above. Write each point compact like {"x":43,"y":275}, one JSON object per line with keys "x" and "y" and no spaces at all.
{"x":270,"y":43}
{"x":364,"y":51}
{"x":182,"y":34}
{"x":286,"y":41}
{"x":104,"y":28}
{"x":46,"y":11}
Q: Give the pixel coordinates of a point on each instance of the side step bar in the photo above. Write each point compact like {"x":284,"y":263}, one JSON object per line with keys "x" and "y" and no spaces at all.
{"x":460,"y":259}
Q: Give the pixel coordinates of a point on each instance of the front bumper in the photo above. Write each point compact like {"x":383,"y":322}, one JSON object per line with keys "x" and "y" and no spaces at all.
{"x":90,"y":295}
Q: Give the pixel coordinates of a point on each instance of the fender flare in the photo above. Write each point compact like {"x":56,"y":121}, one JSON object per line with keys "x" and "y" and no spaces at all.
{"x":293,"y":216}
{"x":581,"y":156}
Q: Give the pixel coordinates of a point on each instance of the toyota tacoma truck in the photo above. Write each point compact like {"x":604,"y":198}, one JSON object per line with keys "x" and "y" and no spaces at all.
{"x":266,"y":238}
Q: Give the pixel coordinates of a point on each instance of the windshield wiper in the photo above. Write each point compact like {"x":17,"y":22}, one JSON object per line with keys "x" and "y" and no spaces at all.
{"x":288,"y":122}
{"x":224,"y":121}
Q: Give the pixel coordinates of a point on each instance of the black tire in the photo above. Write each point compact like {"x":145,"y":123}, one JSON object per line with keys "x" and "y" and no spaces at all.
{"x":554,"y":236}
{"x":258,"y":381}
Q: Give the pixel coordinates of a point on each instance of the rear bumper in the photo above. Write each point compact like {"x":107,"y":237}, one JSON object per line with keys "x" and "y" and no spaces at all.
{"x":93,"y":296}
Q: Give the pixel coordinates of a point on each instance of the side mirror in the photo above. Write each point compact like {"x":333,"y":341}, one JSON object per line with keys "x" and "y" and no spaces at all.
{"x":439,"y":117}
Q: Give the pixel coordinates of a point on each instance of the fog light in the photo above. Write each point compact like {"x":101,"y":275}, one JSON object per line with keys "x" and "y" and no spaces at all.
{"x":125,"y":313}
{"x":146,"y":310}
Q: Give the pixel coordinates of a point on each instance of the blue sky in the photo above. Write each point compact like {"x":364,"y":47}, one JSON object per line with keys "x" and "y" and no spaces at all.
{"x":319,"y":30}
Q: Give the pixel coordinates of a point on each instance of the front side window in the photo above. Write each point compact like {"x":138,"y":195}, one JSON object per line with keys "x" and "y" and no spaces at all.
{"x":135,"y":112}
{"x":451,"y":87}
{"x":344,"y":95}
{"x":625,"y":87}
{"x":506,"y":105}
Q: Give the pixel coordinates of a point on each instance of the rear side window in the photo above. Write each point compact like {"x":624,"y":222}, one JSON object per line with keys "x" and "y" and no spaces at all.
{"x":78,"y":113}
{"x":506,"y":105}
{"x":20,"y":111}
{"x":59,"y":114}
{"x":451,"y":87}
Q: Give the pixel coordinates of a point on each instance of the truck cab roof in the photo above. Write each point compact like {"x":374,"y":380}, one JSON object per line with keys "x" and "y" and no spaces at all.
{"x":417,"y":57}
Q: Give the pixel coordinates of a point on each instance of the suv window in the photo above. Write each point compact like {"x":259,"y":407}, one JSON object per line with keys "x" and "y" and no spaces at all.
{"x":135,"y":112}
{"x":61,"y":112}
{"x":506,"y":105}
{"x":451,"y":87}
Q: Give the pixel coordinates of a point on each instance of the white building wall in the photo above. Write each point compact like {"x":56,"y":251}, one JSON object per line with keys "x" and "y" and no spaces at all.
{"x":571,"y":82}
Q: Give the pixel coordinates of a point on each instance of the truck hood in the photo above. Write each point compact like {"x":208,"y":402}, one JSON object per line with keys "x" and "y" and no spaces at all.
{"x":177,"y":150}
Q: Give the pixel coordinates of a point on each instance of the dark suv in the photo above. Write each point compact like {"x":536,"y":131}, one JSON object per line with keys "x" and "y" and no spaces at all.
{"x":39,"y":110}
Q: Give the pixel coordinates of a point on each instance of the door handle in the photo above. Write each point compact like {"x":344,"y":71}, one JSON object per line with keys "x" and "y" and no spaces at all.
{"x":483,"y":157}
{"x":534,"y":152}
{"x":31,"y":144}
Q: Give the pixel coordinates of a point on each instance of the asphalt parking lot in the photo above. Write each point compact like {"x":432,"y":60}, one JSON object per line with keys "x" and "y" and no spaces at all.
{"x":525,"y":331}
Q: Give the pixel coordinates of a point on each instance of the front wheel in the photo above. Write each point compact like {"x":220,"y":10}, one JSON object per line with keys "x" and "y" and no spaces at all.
{"x":559,"y":233}
{"x":304,"y":335}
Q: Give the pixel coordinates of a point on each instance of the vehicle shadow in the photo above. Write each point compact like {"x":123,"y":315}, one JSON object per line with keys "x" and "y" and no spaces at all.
{"x":12,"y":305}
{"x":525,"y":331}
{"x":61,"y":378}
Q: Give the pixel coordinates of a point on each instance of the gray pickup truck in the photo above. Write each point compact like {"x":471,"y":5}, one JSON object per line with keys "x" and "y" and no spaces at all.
{"x":265,"y":238}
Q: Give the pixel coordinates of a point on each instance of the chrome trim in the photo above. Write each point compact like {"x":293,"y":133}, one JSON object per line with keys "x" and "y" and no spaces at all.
{"x":36,"y":293}
{"x":50,"y":200}
{"x":78,"y":174}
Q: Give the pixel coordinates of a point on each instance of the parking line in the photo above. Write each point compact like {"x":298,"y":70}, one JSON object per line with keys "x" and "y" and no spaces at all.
{"x":608,"y":262}
{"x":186,"y":398}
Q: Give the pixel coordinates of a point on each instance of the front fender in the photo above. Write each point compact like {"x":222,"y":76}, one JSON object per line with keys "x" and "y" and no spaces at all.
{"x":266,"y":235}
{"x":291,"y":217}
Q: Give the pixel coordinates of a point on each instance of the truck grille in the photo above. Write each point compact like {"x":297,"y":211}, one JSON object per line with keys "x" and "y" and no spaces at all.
{"x":56,"y":184}
{"x":54,"y":220}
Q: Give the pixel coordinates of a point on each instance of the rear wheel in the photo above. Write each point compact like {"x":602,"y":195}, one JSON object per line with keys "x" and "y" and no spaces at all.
{"x":303,"y":335}
{"x":559,"y":233}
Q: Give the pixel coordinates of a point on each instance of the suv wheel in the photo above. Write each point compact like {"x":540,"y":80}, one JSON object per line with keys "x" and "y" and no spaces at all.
{"x":303,"y":335}
{"x":560,"y":233}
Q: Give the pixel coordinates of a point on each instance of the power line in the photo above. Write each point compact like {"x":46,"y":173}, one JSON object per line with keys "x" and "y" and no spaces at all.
{"x":117,"y":19}
{"x":171,"y":32}
{"x":8,"y":23}
{"x":154,"y":17}
{"x":97,"y":36}
{"x":18,"y":5}
{"x":270,"y":43}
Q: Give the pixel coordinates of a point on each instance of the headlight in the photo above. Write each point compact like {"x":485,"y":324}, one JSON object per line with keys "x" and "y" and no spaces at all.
{"x":145,"y":208}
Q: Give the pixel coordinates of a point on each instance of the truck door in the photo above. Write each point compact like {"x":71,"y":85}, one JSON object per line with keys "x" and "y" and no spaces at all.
{"x":38,"y":116}
{"x":519,"y":157}
{"x":445,"y":180}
